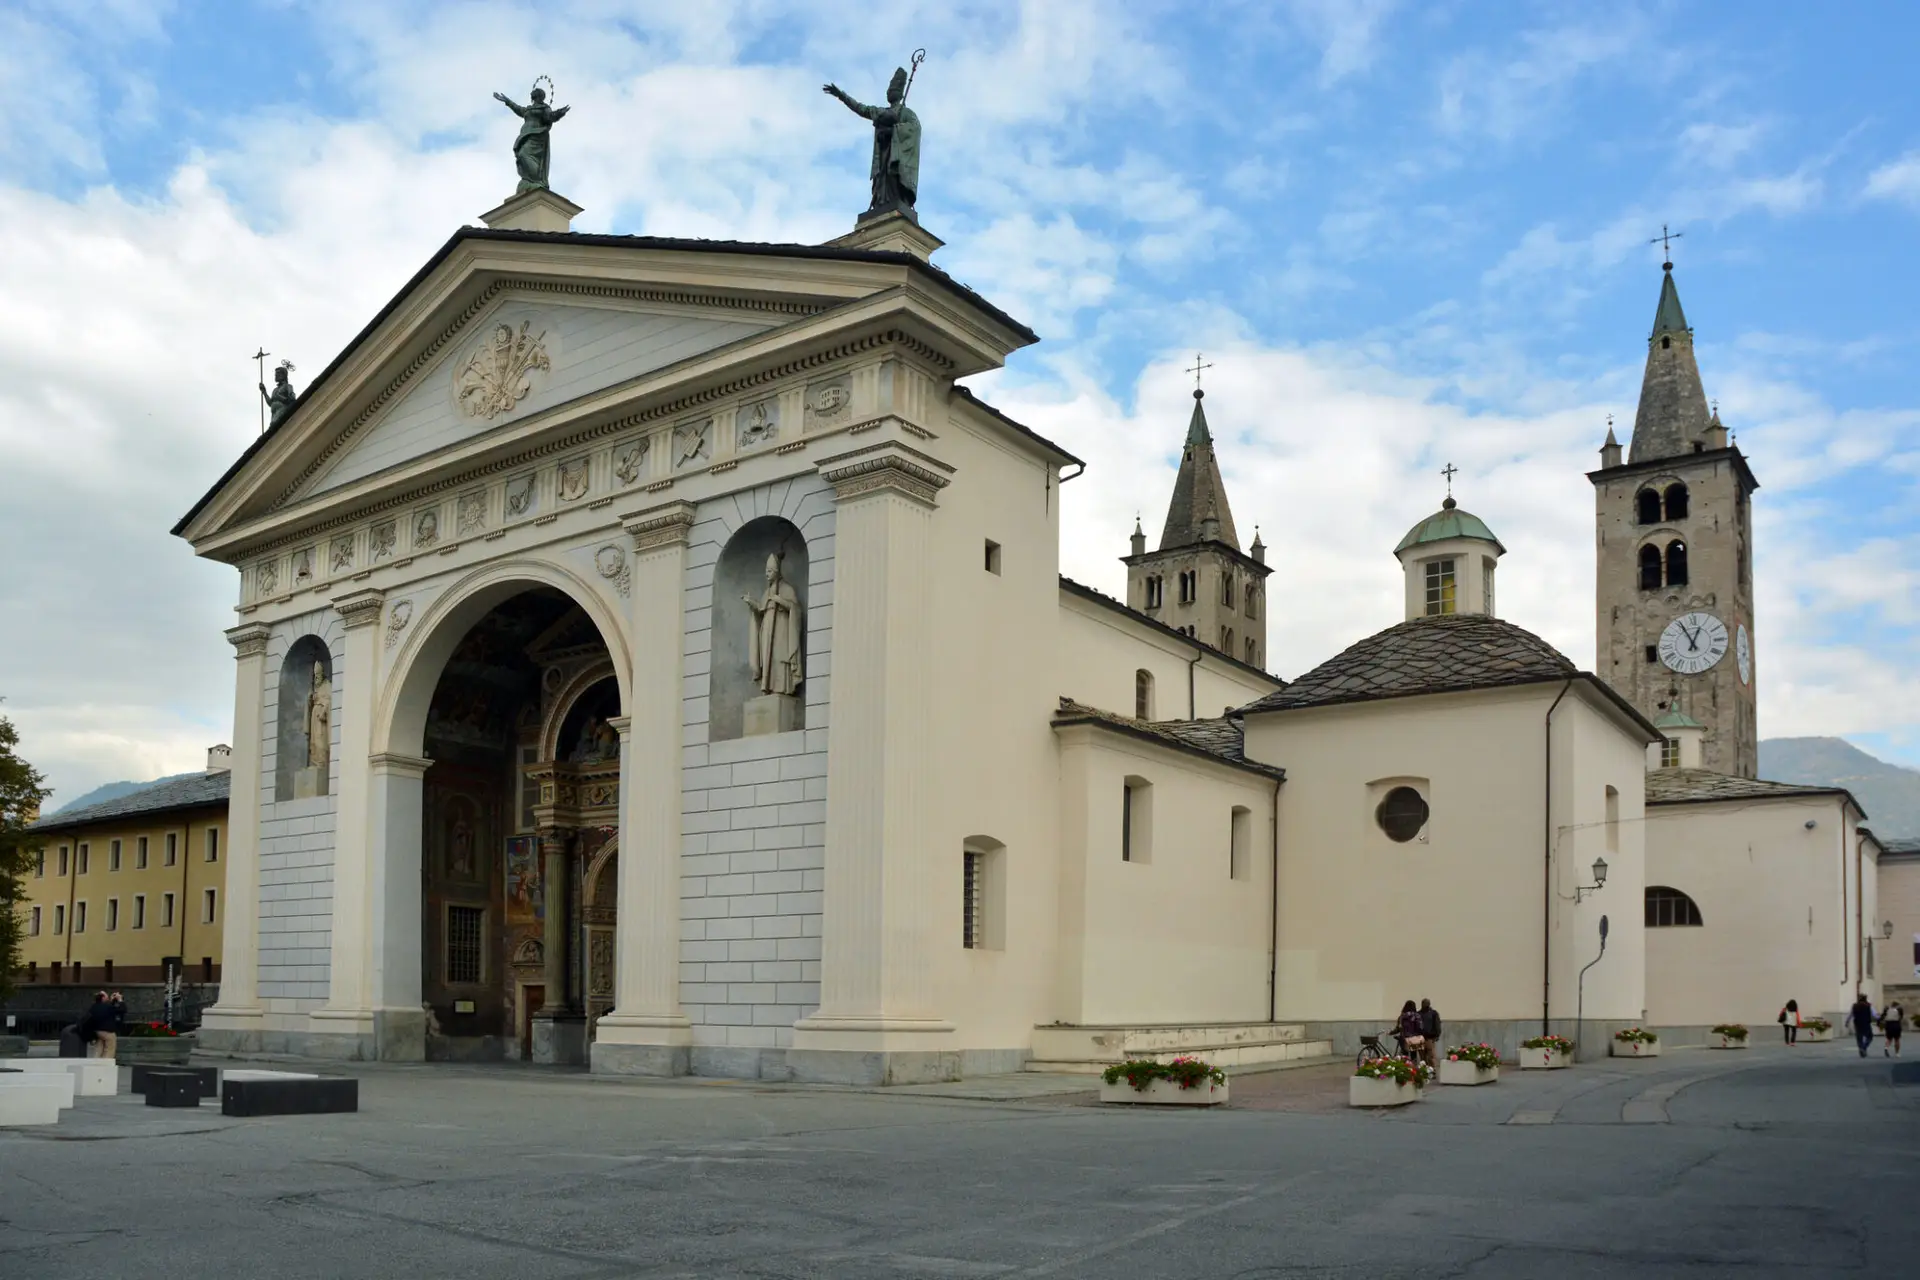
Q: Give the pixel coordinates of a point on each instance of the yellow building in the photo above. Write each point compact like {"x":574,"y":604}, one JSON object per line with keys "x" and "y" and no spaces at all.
{"x":121,"y":887}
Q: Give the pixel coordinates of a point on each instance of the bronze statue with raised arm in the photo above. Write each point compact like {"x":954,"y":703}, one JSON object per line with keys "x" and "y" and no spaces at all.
{"x":532,"y":149}
{"x":896,"y":146}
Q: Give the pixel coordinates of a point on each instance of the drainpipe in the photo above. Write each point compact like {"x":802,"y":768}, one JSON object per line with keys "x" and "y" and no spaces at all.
{"x":1273,"y":924}
{"x":1546,"y":887}
{"x":1198,"y":653}
{"x":1859,"y":902}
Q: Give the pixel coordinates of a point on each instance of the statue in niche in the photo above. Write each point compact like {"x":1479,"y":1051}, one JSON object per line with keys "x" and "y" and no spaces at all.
{"x":460,"y":849}
{"x":598,"y":741}
{"x":532,"y":150}
{"x":280,"y":399}
{"x":776,"y":660}
{"x":896,"y":144}
{"x":319,"y":719}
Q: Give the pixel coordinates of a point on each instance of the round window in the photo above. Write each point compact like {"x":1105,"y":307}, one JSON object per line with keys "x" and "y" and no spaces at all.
{"x":1401,"y":814}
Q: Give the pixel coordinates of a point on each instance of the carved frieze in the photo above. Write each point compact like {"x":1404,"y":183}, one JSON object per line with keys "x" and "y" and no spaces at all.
{"x":500,"y":373}
{"x":573,"y":480}
{"x":426,"y":528}
{"x":692,"y":443}
{"x":471,"y":514}
{"x":520,"y":496}
{"x":342,"y":558}
{"x":266,"y":579}
{"x":759,"y":424}
{"x":385,"y":535}
{"x":630,"y":460}
{"x":829,"y":403}
{"x":303,"y":568}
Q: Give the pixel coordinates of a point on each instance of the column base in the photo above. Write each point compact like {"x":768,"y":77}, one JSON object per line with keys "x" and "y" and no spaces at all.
{"x":560,"y":1039}
{"x":235,"y":1029}
{"x":834,"y":1049}
{"x":642,"y":1044}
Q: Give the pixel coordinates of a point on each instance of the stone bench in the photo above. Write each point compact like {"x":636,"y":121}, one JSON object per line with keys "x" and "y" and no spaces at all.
{"x":172,"y":1089}
{"x":286,"y":1093}
{"x":208,"y":1078}
{"x":92,"y":1077}
{"x":33,"y":1098}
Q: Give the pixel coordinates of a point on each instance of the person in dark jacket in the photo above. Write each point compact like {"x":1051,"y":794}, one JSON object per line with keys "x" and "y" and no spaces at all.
{"x":1861,"y":1018}
{"x":1408,"y":1031}
{"x":1430,"y":1028}
{"x":110,"y":1035}
{"x":97,"y":1022}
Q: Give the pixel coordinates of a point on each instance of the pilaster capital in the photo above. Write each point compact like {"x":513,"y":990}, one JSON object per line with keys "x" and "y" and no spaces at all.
{"x":360,"y":608}
{"x":389,"y":762}
{"x":669,"y":524}
{"x":620,"y":725}
{"x":249,"y":640}
{"x":886,"y":467}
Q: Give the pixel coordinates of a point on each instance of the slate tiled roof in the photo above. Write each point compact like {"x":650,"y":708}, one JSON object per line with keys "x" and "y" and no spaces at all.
{"x":1684,"y":786}
{"x":1905,"y":849}
{"x":1446,"y":654}
{"x":1218,"y":738}
{"x":200,"y":790}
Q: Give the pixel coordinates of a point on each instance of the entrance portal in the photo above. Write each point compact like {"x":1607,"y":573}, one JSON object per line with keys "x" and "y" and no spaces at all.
{"x":520,"y":816}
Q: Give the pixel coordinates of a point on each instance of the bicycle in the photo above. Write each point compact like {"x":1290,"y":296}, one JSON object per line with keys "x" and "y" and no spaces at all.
{"x":1371,"y":1050}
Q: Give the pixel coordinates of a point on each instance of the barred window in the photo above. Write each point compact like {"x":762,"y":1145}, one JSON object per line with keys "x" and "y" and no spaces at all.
{"x":972,"y":882}
{"x":1670,"y":753}
{"x":1670,"y":908}
{"x":463,"y":943}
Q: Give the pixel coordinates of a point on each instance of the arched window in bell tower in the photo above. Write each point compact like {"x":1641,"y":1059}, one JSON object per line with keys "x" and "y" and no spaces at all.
{"x":1647,"y":507}
{"x":1676,"y":564}
{"x":1676,"y":501}
{"x":1649,"y":568}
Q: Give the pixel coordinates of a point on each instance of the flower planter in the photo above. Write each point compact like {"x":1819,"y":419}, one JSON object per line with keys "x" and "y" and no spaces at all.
{"x":172,"y":1050}
{"x":1728,"y":1042}
{"x":1466,"y":1073}
{"x":1165,"y":1093}
{"x":1814,"y":1035}
{"x":1363,"y":1091}
{"x":1545,"y":1059}
{"x":1636,"y":1049}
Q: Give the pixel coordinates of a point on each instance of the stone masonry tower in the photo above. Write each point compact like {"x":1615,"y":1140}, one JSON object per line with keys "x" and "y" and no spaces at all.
{"x":1675,"y":555}
{"x":1199,"y":582}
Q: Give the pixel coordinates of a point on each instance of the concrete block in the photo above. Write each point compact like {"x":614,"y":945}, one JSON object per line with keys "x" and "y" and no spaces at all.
{"x":206,"y":1078}
{"x":172,"y":1089}
{"x":33,"y":1102}
{"x":92,"y":1077}
{"x":61,"y":1083}
{"x":289,"y":1095}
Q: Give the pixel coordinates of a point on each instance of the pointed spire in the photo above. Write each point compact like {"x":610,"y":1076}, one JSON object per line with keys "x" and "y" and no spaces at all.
{"x":1139,"y":539}
{"x":1672,"y":418}
{"x":1259,"y":549}
{"x":1199,"y":494}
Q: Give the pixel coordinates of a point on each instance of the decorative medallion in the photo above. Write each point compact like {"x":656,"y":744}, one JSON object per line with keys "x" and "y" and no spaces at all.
{"x":385,"y":535}
{"x":759,"y":424}
{"x":426,"y":528}
{"x":573,"y":480}
{"x":520,"y":496}
{"x":472,"y":513}
{"x":397,"y":619}
{"x":692,"y":443}
{"x":630,"y":460}
{"x":611,"y":561}
{"x":342,"y":554}
{"x":499,"y":375}
{"x":267,"y":577}
{"x":829,"y":403}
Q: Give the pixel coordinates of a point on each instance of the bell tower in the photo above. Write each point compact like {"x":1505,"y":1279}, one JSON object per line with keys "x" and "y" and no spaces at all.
{"x":1674,"y":580}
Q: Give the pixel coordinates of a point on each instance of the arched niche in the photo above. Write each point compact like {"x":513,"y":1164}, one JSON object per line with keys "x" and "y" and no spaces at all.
{"x":306,"y":713}
{"x":757,"y":549}
{"x":583,"y":735}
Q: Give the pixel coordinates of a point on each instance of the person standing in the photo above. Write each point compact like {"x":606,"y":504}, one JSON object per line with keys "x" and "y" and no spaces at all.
{"x":1430,"y":1028}
{"x":1409,"y":1030}
{"x":117,"y":1022}
{"x":97,"y":1023}
{"x":1890,"y":1020}
{"x":1790,"y":1021}
{"x":1861,"y":1018}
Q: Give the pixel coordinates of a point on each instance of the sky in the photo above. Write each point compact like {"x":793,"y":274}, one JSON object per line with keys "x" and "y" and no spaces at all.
{"x":1405,"y":235}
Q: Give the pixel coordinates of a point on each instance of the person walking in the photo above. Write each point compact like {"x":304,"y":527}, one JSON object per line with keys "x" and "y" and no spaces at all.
{"x":1790,"y":1021}
{"x":1890,"y":1019}
{"x":1861,"y":1018}
{"x":1430,"y":1028}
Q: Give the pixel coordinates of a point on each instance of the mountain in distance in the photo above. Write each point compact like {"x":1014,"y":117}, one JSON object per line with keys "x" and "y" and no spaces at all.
{"x":1889,"y":793}
{"x":112,"y":791}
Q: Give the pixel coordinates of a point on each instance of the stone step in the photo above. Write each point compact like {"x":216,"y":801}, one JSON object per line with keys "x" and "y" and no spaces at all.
{"x":1113,"y":1043}
{"x":1245,"y":1054}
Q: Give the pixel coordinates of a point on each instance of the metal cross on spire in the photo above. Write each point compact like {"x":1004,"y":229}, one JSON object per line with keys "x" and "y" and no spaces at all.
{"x":1665,"y":240}
{"x":1197,"y":369}
{"x":1449,"y":471}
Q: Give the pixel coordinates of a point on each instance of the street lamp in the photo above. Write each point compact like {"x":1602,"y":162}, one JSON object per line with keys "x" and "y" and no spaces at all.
{"x":1599,"y":880}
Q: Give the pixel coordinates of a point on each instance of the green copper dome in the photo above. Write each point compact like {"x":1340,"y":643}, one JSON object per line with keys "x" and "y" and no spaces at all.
{"x":1676,"y":719}
{"x":1448,"y":522}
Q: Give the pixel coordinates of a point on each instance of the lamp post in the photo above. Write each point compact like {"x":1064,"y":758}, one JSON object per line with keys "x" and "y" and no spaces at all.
{"x":1599,"y":881}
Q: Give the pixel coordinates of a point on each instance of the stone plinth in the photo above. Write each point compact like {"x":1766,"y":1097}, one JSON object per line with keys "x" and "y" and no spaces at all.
{"x":309,"y":782}
{"x":560,"y":1039}
{"x":536,"y":210}
{"x":772,"y":713}
{"x":890,"y":231}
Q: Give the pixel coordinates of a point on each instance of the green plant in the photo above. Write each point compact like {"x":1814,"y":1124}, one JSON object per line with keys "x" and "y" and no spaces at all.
{"x":1638,"y":1035}
{"x":1188,"y":1073}
{"x":1821,"y":1024}
{"x":1731,"y":1030}
{"x":1559,"y":1044}
{"x":1480,"y":1055}
{"x":1398,"y":1070}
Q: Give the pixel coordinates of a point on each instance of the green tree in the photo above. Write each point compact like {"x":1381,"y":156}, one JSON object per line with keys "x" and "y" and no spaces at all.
{"x":20,"y":795}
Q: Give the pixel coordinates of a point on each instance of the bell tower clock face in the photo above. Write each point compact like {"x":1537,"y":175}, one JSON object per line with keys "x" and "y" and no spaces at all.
{"x":1743,"y":653}
{"x":1693,"y":642}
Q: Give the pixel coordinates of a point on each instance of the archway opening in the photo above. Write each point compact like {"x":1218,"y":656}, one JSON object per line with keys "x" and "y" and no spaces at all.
{"x":522,"y":795}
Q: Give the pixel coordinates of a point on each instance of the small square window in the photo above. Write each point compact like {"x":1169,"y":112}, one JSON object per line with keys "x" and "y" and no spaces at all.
{"x":993,"y":556}
{"x":1653,"y":653}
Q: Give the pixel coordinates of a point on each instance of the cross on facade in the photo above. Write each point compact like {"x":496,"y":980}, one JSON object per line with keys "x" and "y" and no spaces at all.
{"x":1197,"y":369}
{"x":1449,"y":471}
{"x":1665,"y":240}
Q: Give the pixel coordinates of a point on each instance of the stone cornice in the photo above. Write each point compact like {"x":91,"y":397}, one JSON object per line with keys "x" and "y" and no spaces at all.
{"x":391,"y":762}
{"x":886,"y":467}
{"x":666,"y":525}
{"x":249,"y":640}
{"x":360,"y":608}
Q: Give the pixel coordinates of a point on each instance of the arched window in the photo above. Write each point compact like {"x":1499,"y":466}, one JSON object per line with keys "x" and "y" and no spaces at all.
{"x":1676,"y":564}
{"x":1226,"y":590}
{"x":1665,"y":343}
{"x":1676,"y":501}
{"x":1226,"y":641}
{"x":1649,"y":568}
{"x":1253,"y":599}
{"x":1252,"y":657}
{"x":1670,"y":909}
{"x":1647,"y":507}
{"x":1143,"y":694}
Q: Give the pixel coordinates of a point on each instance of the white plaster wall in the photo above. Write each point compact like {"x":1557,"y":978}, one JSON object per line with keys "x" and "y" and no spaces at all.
{"x":1174,"y":939}
{"x":1100,"y":650}
{"x":1458,"y":917}
{"x":1774,"y":901}
{"x":1590,"y":753}
{"x":590,"y":348}
{"x":1898,"y":891}
{"x":754,"y":809}
{"x":296,"y":839}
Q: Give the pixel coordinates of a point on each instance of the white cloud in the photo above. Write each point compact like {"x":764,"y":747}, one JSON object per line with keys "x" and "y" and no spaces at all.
{"x":1896,"y":180}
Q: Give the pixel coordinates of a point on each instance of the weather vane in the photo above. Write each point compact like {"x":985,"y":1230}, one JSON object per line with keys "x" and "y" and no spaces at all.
{"x":1197,"y":369}
{"x":1665,"y":240}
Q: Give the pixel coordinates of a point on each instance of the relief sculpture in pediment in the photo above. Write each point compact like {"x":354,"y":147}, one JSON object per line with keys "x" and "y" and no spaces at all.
{"x":500,"y":374}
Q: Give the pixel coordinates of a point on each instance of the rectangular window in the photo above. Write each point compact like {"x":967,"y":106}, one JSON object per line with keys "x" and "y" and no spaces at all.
{"x":80,"y":864}
{"x":60,"y":918}
{"x":139,"y":910}
{"x":113,"y":855}
{"x":113,"y":914}
{"x":140,"y":854}
{"x":166,"y":910}
{"x":463,"y":943}
{"x":173,"y":847}
{"x":1126,"y":824}
{"x":1440,"y":589}
{"x":33,"y":923}
{"x":208,"y":901}
{"x":973,"y":876}
{"x":993,"y":556}
{"x":213,"y":844}
{"x":206,"y":968}
{"x":1136,"y":821}
{"x":39,"y":864}
{"x":1240,"y":844}
{"x":79,"y":917}
{"x":1653,"y":653}
{"x":1486,"y":582}
{"x":1670,"y":753}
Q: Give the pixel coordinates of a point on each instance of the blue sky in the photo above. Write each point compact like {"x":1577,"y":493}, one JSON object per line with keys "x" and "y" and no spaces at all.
{"x":1405,"y":234}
